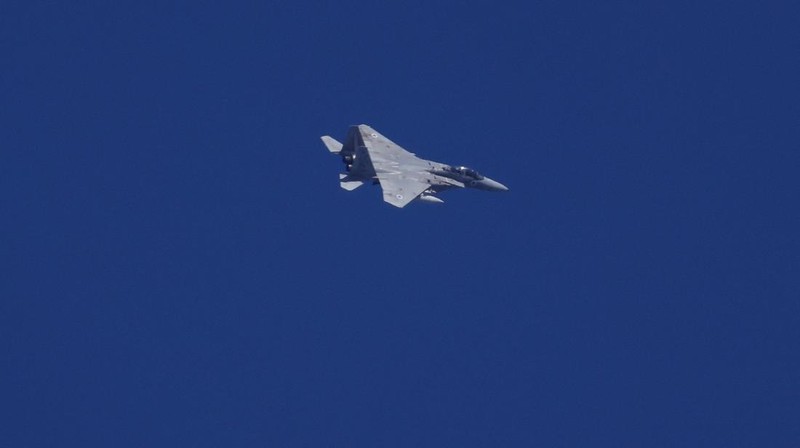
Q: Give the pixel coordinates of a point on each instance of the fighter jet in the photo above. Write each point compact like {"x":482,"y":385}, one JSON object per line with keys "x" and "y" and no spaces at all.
{"x":369,"y":157}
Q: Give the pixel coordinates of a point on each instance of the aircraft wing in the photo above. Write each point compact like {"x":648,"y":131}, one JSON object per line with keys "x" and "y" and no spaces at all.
{"x":381,"y":149}
{"x":401,"y":173}
{"x":400,"y":189}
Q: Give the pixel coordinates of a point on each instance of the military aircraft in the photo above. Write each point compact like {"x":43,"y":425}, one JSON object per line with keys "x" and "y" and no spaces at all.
{"x":370,"y":157}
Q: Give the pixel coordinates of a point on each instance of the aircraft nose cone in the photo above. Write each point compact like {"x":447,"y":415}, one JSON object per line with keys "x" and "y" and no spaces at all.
{"x":495,"y":186}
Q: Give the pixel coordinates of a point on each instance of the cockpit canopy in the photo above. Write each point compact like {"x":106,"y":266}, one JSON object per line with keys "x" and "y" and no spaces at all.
{"x":468,"y":172}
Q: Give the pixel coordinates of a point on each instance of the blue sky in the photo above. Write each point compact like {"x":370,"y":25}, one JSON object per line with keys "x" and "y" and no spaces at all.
{"x":181,"y":268}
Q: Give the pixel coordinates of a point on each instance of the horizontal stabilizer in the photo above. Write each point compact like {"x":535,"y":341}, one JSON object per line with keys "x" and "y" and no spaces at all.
{"x":331,"y":143}
{"x":347,"y":184}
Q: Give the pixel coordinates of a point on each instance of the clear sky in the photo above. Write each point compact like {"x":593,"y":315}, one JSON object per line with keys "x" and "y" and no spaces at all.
{"x":180,"y":268}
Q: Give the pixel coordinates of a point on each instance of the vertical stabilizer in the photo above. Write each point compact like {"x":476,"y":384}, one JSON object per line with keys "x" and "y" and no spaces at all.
{"x":348,"y":184}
